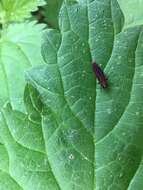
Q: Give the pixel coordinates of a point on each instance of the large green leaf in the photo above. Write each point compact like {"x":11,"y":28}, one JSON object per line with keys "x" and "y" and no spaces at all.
{"x":93,"y":136}
{"x":133,"y":12}
{"x":15,"y":10}
{"x":19,"y":50}
{"x":71,"y":124}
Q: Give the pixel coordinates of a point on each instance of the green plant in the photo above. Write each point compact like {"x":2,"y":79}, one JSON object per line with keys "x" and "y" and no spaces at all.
{"x":58,"y":129}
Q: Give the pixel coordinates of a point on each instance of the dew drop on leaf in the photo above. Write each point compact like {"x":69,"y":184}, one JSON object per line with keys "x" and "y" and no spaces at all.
{"x":109,"y":111}
{"x":83,"y":44}
{"x":117,"y":42}
{"x":71,"y":157}
{"x":121,"y":175}
{"x":57,"y":45}
{"x":85,"y":158}
{"x":45,"y":161}
{"x":123,"y":133}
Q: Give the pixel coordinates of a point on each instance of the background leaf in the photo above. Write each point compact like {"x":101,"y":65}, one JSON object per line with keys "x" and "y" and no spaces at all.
{"x":24,"y":149}
{"x":19,"y":50}
{"x":51,"y":12}
{"x":15,"y":10}
{"x":132,"y":11}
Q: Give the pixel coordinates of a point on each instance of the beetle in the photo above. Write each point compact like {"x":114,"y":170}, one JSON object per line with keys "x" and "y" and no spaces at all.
{"x":101,"y":77}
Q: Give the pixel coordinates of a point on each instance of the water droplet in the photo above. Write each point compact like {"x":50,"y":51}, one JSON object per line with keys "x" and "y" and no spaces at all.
{"x":130,"y":60}
{"x":83,"y":75}
{"x":109,"y":111}
{"x":123,"y":133}
{"x":57,"y":45}
{"x":71,"y":157}
{"x":45,"y":161}
{"x":130,"y":18}
{"x":74,"y":39}
{"x":83,"y":44}
{"x":77,"y":9}
{"x":137,"y":113}
{"x":14,"y":132}
{"x":22,"y":164}
{"x":121,"y":175}
{"x":38,"y":166}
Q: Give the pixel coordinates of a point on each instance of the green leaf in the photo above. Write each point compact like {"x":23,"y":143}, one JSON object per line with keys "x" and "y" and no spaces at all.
{"x":33,"y":104}
{"x":106,"y":21}
{"x":7,"y":182}
{"x":132,"y":11}
{"x":94,"y":135}
{"x":76,"y":135}
{"x":26,"y":162}
{"x":15,"y":10}
{"x":19,"y":50}
{"x":79,"y":123}
{"x":51,"y":12}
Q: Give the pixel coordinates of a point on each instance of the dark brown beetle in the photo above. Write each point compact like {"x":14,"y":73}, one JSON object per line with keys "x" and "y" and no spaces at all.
{"x":103,"y":81}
